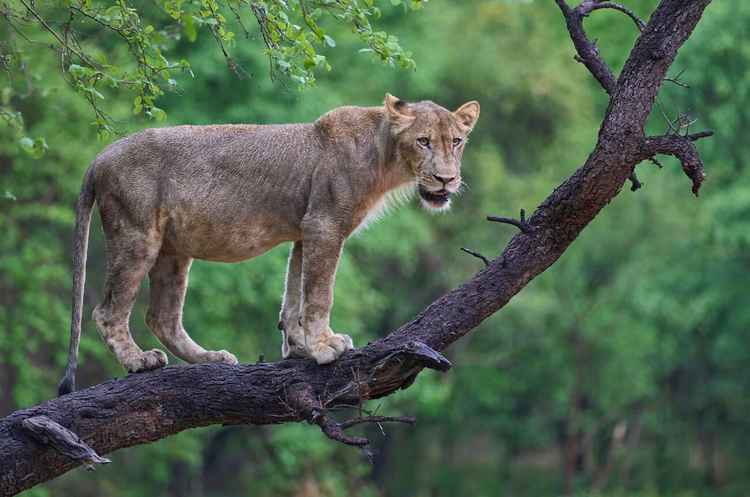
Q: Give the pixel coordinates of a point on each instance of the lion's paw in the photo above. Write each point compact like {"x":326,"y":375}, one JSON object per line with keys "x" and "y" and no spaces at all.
{"x":221,"y":356}
{"x":341,"y":342}
{"x":324,"y":354}
{"x":293,"y":339}
{"x":146,"y":361}
{"x":330,"y":348}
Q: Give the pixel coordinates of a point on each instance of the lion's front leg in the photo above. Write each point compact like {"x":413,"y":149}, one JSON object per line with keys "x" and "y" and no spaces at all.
{"x":320,"y":257}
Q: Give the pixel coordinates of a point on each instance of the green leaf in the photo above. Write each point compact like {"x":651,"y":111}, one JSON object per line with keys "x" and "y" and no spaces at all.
{"x":137,"y":105}
{"x":26,"y":143}
{"x":188,"y":24}
{"x":78,"y":71}
{"x":157,"y":114}
{"x":35,"y":148}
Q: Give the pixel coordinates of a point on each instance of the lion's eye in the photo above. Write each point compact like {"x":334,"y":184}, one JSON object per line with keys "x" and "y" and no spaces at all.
{"x":423,"y":141}
{"x":457,"y":142}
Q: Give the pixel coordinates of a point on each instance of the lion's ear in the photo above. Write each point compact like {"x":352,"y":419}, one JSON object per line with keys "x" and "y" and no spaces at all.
{"x":398,"y":113}
{"x":468,"y":114}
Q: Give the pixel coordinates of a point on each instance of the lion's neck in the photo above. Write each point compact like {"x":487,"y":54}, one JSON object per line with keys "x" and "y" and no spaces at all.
{"x":391,"y":172}
{"x":381,"y":180}
{"x":390,"y":184}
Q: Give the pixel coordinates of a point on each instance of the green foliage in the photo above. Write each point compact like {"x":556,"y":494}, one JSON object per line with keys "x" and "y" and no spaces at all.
{"x":126,"y":48}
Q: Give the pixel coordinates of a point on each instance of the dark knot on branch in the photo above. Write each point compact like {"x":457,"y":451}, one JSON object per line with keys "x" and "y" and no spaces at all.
{"x":47,"y":432}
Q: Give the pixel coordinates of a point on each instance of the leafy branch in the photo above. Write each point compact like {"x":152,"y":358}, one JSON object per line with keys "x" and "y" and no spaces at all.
{"x":294,"y":33}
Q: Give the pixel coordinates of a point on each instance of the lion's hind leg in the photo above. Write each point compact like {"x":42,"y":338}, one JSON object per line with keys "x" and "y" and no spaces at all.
{"x":168,"y":279}
{"x":128,"y":259}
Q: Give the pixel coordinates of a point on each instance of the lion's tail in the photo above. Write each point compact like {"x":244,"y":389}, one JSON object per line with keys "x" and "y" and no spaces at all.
{"x":80,"y":248}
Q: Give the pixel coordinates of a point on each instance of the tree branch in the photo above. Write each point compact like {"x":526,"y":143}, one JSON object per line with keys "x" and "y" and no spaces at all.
{"x":64,"y":45}
{"x":146,"y":407}
{"x":683,"y":148}
{"x":409,"y":420}
{"x":590,"y":6}
{"x":521,"y":223}
{"x":477,"y":255}
{"x":588,"y":54}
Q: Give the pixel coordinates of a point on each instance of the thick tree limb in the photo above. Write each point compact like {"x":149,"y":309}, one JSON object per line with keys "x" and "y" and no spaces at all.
{"x":146,"y":407}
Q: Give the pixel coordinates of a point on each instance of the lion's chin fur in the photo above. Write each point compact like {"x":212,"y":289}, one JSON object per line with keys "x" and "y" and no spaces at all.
{"x":435,"y":209}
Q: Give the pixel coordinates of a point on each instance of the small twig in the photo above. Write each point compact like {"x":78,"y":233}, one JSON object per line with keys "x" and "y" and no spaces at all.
{"x":409,"y":420}
{"x":656,"y":162}
{"x":477,"y":255}
{"x":268,"y":40}
{"x":520,"y":224}
{"x":63,"y":44}
{"x":586,"y":7}
{"x":239,"y":20}
{"x":635,"y":183}
{"x":334,"y":430}
{"x":231,"y":63}
{"x":670,"y":123}
{"x":677,"y":81}
{"x":702,"y":134}
{"x":684,"y":121}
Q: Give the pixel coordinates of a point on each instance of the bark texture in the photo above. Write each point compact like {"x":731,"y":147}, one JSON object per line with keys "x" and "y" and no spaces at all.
{"x":42,"y":442}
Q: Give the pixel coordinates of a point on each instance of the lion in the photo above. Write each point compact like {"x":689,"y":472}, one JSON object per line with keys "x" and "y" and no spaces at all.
{"x":229,"y":193}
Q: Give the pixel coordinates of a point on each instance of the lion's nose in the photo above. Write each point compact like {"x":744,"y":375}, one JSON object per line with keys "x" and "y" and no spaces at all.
{"x":444,"y":179}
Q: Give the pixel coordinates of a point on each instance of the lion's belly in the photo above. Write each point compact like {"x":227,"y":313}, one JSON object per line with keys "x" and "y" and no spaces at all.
{"x":227,"y":240}
{"x":235,"y":247}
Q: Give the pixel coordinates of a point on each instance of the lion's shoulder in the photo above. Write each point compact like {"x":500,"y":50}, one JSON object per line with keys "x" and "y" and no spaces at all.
{"x":344,"y":123}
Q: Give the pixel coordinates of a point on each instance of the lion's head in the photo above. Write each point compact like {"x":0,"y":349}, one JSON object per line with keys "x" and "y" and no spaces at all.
{"x":430,"y":141}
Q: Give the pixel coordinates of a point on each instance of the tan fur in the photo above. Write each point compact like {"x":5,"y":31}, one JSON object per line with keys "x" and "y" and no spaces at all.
{"x":229,"y":193}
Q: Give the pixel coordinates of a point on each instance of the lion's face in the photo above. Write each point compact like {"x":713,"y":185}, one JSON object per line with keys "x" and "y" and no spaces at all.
{"x":430,"y":140}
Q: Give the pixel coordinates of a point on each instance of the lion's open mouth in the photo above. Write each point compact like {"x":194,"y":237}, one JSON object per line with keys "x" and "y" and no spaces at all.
{"x":435,"y":199}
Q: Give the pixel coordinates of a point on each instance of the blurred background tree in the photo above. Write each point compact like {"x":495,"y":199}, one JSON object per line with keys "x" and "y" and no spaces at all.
{"x":620,"y":370}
